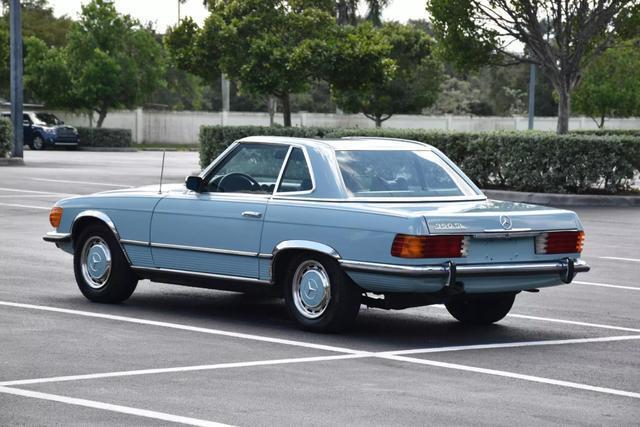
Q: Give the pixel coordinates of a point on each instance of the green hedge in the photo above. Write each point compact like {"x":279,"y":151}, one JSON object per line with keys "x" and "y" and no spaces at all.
{"x":104,"y":137}
{"x":522,"y":161}
{"x":6,"y":137}
{"x":608,"y":132}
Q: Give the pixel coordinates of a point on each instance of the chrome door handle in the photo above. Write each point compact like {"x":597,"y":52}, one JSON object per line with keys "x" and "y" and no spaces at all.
{"x":251,"y":214}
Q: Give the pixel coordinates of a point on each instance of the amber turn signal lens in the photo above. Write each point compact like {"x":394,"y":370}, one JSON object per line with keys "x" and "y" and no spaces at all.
{"x":406,"y":246}
{"x":55,"y":216}
{"x":560,"y":242}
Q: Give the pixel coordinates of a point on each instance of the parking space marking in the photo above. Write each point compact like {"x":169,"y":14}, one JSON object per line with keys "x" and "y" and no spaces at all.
{"x":185,"y":369}
{"x":179,"y":326}
{"x":513,"y":375}
{"x":606,"y":285}
{"x":510,"y":345}
{"x":20,"y":190}
{"x":102,"y":184}
{"x":615,"y":258}
{"x":110,"y":407}
{"x":16,"y":205}
{"x":22,"y":196}
{"x":573,"y":322}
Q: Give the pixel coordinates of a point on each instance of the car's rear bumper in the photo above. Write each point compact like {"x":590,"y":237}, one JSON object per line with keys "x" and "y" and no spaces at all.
{"x":566,"y":268}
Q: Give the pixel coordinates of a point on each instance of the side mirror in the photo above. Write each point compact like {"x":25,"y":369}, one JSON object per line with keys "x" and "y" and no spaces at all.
{"x":194,"y":183}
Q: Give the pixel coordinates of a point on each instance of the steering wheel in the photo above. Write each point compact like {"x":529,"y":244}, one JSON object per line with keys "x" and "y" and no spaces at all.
{"x":236,"y":181}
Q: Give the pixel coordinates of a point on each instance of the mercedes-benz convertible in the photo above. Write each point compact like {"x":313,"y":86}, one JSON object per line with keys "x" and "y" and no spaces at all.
{"x":328,"y":225}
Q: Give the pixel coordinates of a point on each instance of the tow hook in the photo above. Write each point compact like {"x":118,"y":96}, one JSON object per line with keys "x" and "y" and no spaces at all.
{"x":451,"y":278}
{"x":569,"y":273}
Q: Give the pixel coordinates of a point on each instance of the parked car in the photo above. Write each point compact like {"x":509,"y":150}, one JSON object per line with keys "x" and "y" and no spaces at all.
{"x":328,"y":225}
{"x":42,"y":130}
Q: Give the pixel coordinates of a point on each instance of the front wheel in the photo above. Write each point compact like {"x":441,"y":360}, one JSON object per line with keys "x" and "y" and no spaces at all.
{"x":38,"y":143}
{"x":319,"y":295}
{"x":482,"y":309}
{"x":101,"y":269}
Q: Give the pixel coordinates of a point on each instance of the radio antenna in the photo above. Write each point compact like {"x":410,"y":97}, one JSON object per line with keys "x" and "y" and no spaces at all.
{"x":161,"y":173}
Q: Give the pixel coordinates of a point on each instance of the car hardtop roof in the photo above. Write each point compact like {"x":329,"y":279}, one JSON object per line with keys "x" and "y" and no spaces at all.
{"x":346,"y":143}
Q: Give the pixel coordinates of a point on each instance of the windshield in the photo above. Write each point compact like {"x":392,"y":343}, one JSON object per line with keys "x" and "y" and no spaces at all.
{"x":388,"y":173}
{"x":47,"y":119}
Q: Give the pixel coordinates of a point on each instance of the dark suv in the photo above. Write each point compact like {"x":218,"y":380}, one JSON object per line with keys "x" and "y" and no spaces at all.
{"x":42,"y":130}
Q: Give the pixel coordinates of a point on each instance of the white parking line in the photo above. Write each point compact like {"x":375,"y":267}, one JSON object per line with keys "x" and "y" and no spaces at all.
{"x":102,"y":184}
{"x":271,"y":362}
{"x":513,"y":375}
{"x":615,"y":258}
{"x":606,"y":285}
{"x":183,"y":327}
{"x":510,"y":345}
{"x":109,"y":407}
{"x":16,"y":205}
{"x":184,"y":369}
{"x":572,"y":322}
{"x":20,"y":190}
{"x":22,"y":196}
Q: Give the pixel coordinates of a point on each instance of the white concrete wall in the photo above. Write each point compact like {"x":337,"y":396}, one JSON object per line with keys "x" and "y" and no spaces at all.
{"x":182,"y":127}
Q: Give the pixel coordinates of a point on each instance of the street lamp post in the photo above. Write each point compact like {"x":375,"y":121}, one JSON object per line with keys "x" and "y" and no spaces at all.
{"x":16,"y":78}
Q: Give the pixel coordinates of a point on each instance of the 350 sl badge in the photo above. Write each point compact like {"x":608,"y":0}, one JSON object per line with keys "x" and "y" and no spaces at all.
{"x":448,"y":226}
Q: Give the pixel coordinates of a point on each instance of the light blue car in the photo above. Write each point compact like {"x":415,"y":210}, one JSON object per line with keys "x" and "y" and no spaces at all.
{"x":328,"y":225}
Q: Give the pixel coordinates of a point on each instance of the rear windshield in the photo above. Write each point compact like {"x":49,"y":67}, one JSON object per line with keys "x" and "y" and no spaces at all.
{"x":387,"y":173}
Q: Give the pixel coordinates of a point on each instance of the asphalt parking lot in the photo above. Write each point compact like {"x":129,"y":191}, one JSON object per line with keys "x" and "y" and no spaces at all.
{"x":169,"y":354}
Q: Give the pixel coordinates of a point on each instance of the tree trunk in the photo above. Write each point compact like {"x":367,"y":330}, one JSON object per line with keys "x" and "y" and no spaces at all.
{"x":286,"y":109}
{"x":272,"y":106}
{"x":378,"y":120}
{"x":564,"y":109}
{"x":101,"y":116}
{"x":601,"y":124}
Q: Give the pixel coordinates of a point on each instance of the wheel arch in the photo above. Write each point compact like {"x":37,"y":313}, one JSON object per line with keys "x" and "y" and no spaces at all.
{"x":287,"y":249}
{"x":87,"y":217}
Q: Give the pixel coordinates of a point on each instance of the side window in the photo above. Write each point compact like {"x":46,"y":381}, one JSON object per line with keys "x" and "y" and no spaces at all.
{"x":26,"y":120}
{"x":249,"y":168}
{"x":296,"y":176}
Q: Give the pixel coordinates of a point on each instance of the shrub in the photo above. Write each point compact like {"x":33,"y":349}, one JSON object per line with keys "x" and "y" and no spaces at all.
{"x":522,"y":161}
{"x":104,"y":137}
{"x":6,"y":137}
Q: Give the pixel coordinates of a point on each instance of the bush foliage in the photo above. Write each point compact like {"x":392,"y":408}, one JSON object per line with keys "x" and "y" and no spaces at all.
{"x":521,"y":161}
{"x":6,"y":140}
{"x":103,"y":137}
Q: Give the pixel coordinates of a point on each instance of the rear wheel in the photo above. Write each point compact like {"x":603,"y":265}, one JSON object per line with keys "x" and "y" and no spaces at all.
{"x":319,"y":295}
{"x":101,"y":268}
{"x":481,"y":309}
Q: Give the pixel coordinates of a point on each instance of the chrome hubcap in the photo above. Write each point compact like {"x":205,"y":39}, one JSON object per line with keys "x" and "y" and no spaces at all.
{"x":96,"y":262}
{"x":311,"y":289}
{"x":37,"y":143}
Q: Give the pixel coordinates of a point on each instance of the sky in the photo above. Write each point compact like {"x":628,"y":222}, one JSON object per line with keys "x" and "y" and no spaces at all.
{"x":164,"y":13}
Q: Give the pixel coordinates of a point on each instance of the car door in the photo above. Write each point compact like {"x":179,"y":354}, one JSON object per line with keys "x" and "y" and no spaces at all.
{"x":217,"y":230}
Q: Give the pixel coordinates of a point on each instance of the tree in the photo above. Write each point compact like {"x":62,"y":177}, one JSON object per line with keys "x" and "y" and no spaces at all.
{"x":411,"y":85}
{"x":110,"y":61}
{"x":610,"y":86}
{"x":561,"y":37}
{"x":256,"y":43}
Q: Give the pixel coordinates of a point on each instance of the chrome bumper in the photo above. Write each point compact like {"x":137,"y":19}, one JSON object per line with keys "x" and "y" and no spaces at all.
{"x":55,"y":237}
{"x":566,"y":268}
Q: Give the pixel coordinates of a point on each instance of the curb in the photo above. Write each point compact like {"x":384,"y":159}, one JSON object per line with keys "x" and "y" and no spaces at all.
{"x":108,"y":149}
{"x":557,"y":199}
{"x":12,"y":161}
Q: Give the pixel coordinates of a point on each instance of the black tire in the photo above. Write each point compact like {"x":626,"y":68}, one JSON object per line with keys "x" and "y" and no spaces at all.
{"x":118,"y":282}
{"x":340,"y":309}
{"x":481,"y":309}
{"x":38,"y":143}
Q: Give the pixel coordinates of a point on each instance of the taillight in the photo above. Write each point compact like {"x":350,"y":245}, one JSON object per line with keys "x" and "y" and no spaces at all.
{"x":560,"y":242}
{"x":55,"y":216}
{"x":406,"y":246}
